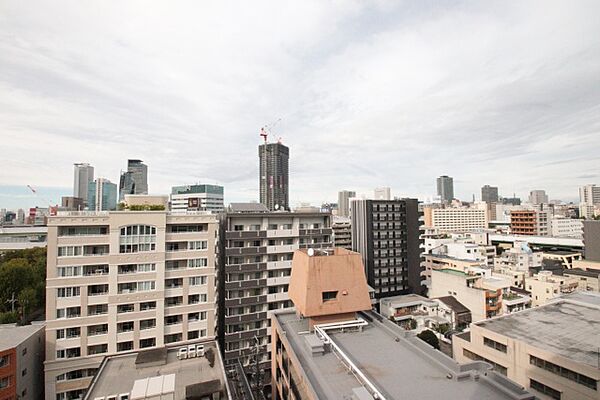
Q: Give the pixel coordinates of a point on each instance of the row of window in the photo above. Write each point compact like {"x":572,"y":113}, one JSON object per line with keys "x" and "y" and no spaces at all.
{"x":476,"y":357}
{"x":99,"y":309}
{"x":494,"y":345}
{"x":103,"y":269}
{"x":564,"y":372}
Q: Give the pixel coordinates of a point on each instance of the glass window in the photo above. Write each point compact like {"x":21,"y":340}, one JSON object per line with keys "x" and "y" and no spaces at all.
{"x":137,"y":238}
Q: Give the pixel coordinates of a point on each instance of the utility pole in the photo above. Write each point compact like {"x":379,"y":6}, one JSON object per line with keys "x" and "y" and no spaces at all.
{"x":12,"y":302}
{"x":257,"y":374}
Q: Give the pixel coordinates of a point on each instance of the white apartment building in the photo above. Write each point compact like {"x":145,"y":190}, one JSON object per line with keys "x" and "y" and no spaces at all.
{"x":122,"y":281}
{"x":566,"y":227}
{"x":456,"y":219}
{"x":544,"y":286}
{"x":520,"y":257}
{"x":589,"y":194}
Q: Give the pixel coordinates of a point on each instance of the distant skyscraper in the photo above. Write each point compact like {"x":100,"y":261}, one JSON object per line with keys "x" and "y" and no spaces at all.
{"x":538,"y":197}
{"x":445,"y":188}
{"x":274,"y":183}
{"x":134,"y":180}
{"x":84,"y":174}
{"x":589,"y":195}
{"x":489,"y":194}
{"x":102,"y":195}
{"x":383,"y":193}
{"x":344,"y":202}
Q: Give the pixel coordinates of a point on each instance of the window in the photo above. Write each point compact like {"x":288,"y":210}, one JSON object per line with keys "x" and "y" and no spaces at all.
{"x":564,"y":372}
{"x":547,"y":390}
{"x":125,"y":346}
{"x":24,"y":351}
{"x":4,"y":382}
{"x":328,"y":296}
{"x":192,"y":317}
{"x":150,"y":342}
{"x":148,"y":305}
{"x":69,"y":312}
{"x":68,"y":271}
{"x":82,"y":230}
{"x":94,"y":330}
{"x":198,"y":245}
{"x":133,"y":268}
{"x":98,"y":309}
{"x":137,"y":238}
{"x":272,"y":227}
{"x":24,"y":372}
{"x":98,"y":349}
{"x":4,"y":361}
{"x":70,"y":251}
{"x":68,"y":333}
{"x":197,"y":280}
{"x":476,"y":357}
{"x":146,"y":286}
{"x":238,"y":227}
{"x":173,"y":301}
{"x":194,"y":299}
{"x":77,"y":374}
{"x":125,"y":326}
{"x":193,"y":335}
{"x":125,"y":308}
{"x":176,"y":337}
{"x":494,"y":345}
{"x":147,"y":323}
{"x":69,"y":353}
{"x":197,"y":262}
{"x":173,"y":319}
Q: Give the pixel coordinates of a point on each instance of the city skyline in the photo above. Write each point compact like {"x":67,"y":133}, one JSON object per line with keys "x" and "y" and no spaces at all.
{"x":397,"y":95}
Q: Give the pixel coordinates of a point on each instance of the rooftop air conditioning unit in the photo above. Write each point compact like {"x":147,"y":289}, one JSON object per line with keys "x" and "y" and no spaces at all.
{"x":200,"y":350}
{"x":182,"y":353}
{"x":111,"y":397}
{"x":99,"y":398}
{"x":191,"y":351}
{"x":124,"y":396}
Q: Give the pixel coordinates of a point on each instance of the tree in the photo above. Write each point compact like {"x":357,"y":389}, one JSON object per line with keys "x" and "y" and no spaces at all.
{"x":28,"y":300}
{"x":15,"y":275}
{"x":429,"y":337}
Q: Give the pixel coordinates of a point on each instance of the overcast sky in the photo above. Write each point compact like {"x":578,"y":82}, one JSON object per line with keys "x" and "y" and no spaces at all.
{"x":369,"y":93}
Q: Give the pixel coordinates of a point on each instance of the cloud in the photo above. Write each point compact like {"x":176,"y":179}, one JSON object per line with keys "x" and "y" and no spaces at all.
{"x":370,"y":94}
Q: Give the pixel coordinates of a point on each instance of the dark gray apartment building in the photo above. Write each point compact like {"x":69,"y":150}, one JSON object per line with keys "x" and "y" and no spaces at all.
{"x":255,"y":263}
{"x":489,"y":194}
{"x":591,"y":240}
{"x":274,"y":183}
{"x":387,"y":235}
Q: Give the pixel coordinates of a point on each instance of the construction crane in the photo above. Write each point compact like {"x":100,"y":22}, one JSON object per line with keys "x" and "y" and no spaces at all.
{"x":51,"y":208}
{"x":265,"y":130}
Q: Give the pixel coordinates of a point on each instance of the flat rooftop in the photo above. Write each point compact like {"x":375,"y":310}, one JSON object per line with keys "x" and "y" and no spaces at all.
{"x":568,"y":327}
{"x":400,"y":366}
{"x":118,"y":373}
{"x":11,"y":335}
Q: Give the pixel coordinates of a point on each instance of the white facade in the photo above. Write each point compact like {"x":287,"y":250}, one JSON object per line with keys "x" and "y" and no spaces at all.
{"x":383,"y":193}
{"x":458,"y":219}
{"x":518,"y":258}
{"x":590,"y":195}
{"x":123,"y":281}
{"x":538,"y":197}
{"x":84,"y":174}
{"x":566,"y":227}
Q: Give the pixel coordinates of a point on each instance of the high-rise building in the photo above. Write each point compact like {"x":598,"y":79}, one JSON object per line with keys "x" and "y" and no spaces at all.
{"x":386,"y":234}
{"x":102,"y":195}
{"x":342,"y":232}
{"x":445,"y":188}
{"x":254,"y":272}
{"x":274,"y":177}
{"x":538,"y":197}
{"x":197,"y":198}
{"x":382,"y":193}
{"x":589,"y":195}
{"x":84,"y":174}
{"x":124,"y":281}
{"x":489,"y":194}
{"x":134,"y":180}
{"x":344,"y":202}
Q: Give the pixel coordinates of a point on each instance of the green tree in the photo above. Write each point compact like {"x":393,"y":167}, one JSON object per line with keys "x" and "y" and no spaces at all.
{"x":15,"y":275}
{"x":28,"y":300}
{"x":429,"y":337}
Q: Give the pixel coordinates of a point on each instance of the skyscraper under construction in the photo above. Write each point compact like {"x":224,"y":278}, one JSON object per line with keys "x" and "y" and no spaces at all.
{"x":274,"y":184}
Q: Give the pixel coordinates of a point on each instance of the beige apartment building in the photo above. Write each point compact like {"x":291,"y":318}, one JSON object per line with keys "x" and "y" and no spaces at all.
{"x":124,"y":281}
{"x":545,"y":286}
{"x":456,"y":219}
{"x":550,"y":350}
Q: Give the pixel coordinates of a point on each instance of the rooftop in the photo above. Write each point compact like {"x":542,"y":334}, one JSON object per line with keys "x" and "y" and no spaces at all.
{"x":454,"y":304}
{"x":568,"y":327}
{"x":581,"y":272}
{"x":118,"y":373}
{"x":11,"y":335}
{"x":397,"y":364}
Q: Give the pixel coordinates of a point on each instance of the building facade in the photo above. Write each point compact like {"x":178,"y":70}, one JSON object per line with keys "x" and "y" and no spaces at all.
{"x":445,"y":188}
{"x":456,"y":219}
{"x":382,"y":193}
{"x":83,"y":176}
{"x":342,"y":232}
{"x":550,"y":350}
{"x":344,"y":202}
{"x":255,"y":265}
{"x":538,"y":197}
{"x":529,"y":222}
{"x":387,"y":235}
{"x":566,"y":227}
{"x":489,"y":194}
{"x":197,"y":198}
{"x":274,"y":176}
{"x":591,"y":240}
{"x":123,"y":281}
{"x":102,"y":195}
{"x":22,"y":361}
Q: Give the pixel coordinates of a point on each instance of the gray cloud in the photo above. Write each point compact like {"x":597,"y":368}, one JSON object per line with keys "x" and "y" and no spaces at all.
{"x":370,"y":94}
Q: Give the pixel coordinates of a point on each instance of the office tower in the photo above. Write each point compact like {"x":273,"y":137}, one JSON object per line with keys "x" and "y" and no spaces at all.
{"x":123,"y":281}
{"x":538,"y":197}
{"x":382,"y":193}
{"x":134,"y":180}
{"x":590,"y":195}
{"x":72,"y":203}
{"x":22,"y":361}
{"x":274,"y":178}
{"x":334,"y":347}
{"x":197,"y":198}
{"x":489,"y":194}
{"x":84,"y":174}
{"x":342,"y":232}
{"x":529,"y":222}
{"x":344,"y":202}
{"x":445,"y":188}
{"x":386,"y":234}
{"x":102,"y":195}
{"x":254,"y":272}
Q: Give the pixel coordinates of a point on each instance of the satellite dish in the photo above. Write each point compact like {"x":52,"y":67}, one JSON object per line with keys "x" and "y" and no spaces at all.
{"x":311,"y":252}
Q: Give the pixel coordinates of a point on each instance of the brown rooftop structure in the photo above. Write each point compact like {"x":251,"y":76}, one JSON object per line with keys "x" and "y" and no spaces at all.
{"x":328,"y":285}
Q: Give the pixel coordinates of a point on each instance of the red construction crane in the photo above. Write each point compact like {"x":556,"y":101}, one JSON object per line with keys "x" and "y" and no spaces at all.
{"x":265,"y":130}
